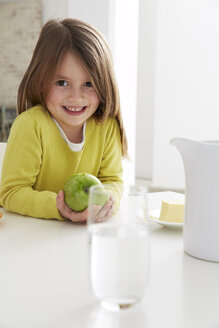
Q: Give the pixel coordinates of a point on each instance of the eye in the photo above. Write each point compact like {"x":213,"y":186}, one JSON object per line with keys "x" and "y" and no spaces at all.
{"x":88,"y":84}
{"x":62,"y":83}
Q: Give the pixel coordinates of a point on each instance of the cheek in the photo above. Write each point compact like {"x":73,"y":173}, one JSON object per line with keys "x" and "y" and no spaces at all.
{"x":47,"y":100}
{"x":95,"y":98}
{"x":52,"y":96}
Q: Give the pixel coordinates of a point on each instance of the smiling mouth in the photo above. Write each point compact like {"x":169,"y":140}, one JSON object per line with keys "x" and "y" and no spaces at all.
{"x":75,"y":109}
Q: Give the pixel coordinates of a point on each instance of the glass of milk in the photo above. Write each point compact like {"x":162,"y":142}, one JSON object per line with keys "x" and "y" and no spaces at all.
{"x":119,"y":251}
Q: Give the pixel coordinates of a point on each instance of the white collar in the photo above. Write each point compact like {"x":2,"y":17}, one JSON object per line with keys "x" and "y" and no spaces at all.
{"x":73,"y":146}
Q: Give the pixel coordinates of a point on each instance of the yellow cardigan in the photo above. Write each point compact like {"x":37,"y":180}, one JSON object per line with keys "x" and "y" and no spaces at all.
{"x":38,"y":162}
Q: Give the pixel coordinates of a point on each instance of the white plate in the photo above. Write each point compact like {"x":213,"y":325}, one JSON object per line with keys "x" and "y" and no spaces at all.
{"x":154,"y":216}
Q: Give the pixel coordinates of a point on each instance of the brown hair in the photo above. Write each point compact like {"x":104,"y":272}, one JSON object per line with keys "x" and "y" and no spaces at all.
{"x":56,"y":38}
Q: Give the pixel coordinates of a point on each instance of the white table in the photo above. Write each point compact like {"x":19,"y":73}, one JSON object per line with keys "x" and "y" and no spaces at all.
{"x":44,"y":279}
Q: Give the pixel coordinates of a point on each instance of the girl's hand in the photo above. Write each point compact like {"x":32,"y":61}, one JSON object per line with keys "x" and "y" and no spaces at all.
{"x":66,"y":212}
{"x":102,"y":213}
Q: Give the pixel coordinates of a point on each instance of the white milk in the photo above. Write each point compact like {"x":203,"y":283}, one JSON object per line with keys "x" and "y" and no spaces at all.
{"x":120,"y":263}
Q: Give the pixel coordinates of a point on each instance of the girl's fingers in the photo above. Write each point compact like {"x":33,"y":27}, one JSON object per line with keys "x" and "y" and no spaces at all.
{"x":105,"y":212}
{"x":100,"y":214}
{"x":60,"y":201}
{"x":79,"y":217}
{"x":66,"y":212}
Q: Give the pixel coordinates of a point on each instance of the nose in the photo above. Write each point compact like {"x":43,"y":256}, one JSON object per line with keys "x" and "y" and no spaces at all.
{"x":75,"y":95}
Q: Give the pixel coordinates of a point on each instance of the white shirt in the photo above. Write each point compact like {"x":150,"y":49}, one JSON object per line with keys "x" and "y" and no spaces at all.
{"x":73,"y":146}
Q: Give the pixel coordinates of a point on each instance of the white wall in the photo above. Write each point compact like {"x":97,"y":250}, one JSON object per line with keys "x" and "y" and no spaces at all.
{"x":94,"y":12}
{"x":145,"y":89}
{"x":125,"y":58}
{"x":178,"y":84}
{"x":51,"y":8}
{"x":54,"y":9}
{"x":187,"y":81}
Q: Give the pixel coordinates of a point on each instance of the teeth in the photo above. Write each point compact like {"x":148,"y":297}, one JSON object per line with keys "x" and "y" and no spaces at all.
{"x":75,"y":109}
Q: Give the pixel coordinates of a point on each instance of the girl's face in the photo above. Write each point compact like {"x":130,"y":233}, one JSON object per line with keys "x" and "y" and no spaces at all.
{"x":72,"y":98}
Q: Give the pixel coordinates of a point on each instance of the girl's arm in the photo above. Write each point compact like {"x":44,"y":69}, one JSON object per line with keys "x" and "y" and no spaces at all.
{"x":111,"y":170}
{"x":21,"y":166}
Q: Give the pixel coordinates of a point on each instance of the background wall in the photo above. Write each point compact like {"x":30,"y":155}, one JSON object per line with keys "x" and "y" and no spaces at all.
{"x":178,"y":82}
{"x":54,"y":9}
{"x":20,"y":25}
{"x":186,"y":81}
{"x":146,"y":88}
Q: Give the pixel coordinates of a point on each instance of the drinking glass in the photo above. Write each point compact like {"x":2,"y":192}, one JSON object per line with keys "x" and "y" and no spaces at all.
{"x":119,"y":250}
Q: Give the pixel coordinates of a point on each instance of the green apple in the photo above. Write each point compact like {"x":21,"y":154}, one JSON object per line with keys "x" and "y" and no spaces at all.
{"x":76,"y":191}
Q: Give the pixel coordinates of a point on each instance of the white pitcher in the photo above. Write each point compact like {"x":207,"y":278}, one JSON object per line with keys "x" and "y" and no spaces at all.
{"x":201,"y":217}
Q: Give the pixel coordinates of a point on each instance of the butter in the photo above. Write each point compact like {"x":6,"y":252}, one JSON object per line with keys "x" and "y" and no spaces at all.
{"x":172,"y":210}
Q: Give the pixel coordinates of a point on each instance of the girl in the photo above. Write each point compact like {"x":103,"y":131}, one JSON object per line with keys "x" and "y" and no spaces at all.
{"x":69,"y":122}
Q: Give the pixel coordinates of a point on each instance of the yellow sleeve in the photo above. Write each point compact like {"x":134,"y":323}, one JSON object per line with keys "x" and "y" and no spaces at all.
{"x":111,"y":167}
{"x":21,"y":166}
